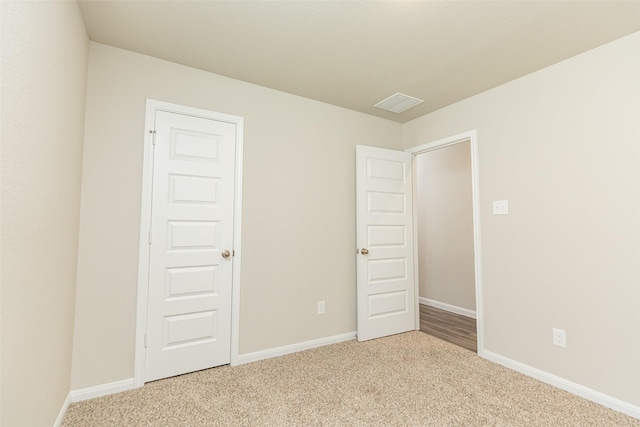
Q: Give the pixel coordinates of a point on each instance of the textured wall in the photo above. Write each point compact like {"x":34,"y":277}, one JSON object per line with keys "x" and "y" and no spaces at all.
{"x":562,"y":145}
{"x":44,"y":75}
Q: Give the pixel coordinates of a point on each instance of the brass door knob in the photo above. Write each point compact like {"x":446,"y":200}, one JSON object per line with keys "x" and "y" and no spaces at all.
{"x":226,"y":254}
{"x":364,"y":251}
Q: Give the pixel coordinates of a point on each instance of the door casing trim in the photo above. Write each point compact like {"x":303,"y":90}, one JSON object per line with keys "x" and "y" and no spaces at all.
{"x":152,"y":107}
{"x":472,"y":137}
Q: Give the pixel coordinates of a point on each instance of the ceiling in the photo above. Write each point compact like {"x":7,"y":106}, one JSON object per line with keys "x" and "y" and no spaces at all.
{"x":356,"y":53}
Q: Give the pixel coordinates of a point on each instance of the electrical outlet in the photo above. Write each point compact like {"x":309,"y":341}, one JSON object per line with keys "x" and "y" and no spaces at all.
{"x":501,"y":207}
{"x":320,"y":307}
{"x":560,"y":337}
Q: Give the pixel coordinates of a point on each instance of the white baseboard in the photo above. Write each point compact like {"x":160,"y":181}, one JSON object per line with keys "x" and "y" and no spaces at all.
{"x":448,"y":307}
{"x":63,"y":411}
{"x":128,"y":384}
{"x":571,"y":387}
{"x":564,"y":384}
{"x":101,"y":390}
{"x":294,"y":348}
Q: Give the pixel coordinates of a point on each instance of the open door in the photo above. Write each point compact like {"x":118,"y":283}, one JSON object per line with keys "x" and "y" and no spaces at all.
{"x":384,"y":235}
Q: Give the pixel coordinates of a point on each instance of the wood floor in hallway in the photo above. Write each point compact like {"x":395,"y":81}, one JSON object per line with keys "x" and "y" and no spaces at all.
{"x":450,"y":327}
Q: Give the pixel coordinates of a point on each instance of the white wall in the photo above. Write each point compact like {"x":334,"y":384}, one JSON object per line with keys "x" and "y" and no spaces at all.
{"x":445,"y":226}
{"x":563,"y":146}
{"x":44,"y":75}
{"x":298,"y":207}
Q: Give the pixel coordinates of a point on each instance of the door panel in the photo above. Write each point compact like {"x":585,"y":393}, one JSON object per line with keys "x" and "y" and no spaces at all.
{"x":189,"y":301}
{"x":385,"y":285}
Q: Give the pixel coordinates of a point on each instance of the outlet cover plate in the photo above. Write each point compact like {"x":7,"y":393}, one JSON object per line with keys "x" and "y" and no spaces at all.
{"x":501,"y":207}
{"x":560,"y":337}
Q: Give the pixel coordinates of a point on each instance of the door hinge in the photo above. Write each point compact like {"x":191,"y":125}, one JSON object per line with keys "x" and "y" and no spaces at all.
{"x":145,"y":340}
{"x":149,"y":236}
{"x":153,"y":137}
{"x":233,"y":252}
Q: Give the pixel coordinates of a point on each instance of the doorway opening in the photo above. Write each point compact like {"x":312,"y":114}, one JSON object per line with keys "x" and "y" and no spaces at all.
{"x":447,"y":240}
{"x":189,"y":245}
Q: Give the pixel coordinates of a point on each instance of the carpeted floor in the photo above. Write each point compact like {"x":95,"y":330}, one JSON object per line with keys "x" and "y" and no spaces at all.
{"x":410,"y":379}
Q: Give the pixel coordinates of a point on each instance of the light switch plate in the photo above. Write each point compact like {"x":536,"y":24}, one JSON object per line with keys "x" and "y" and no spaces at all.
{"x":501,"y":207}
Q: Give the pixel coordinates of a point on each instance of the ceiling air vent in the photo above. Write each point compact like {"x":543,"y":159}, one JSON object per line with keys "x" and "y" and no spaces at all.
{"x":398,"y":103}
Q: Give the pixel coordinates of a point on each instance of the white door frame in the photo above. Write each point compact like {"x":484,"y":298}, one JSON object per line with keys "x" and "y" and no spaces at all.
{"x":472,"y":137}
{"x":145,"y":224}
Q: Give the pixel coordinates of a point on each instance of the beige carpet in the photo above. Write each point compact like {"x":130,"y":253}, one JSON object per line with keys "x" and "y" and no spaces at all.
{"x":411,"y":379}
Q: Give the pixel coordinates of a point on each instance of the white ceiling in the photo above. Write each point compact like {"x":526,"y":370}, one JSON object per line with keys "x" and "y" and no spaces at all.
{"x":356,"y":53}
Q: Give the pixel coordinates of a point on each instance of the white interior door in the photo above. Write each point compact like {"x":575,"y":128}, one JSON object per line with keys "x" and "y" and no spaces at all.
{"x":190,"y":272}
{"x":385,"y":285}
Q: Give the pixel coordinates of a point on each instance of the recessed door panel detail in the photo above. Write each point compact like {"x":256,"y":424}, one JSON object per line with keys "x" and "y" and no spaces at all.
{"x":386,"y":236}
{"x":386,"y":203}
{"x":192,"y":281}
{"x":188,"y":329}
{"x":385,"y":270}
{"x":192,"y":235}
{"x":385,"y":169}
{"x":193,"y":189}
{"x":191,"y":222}
{"x":190,"y":145}
{"x":387,"y":304}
